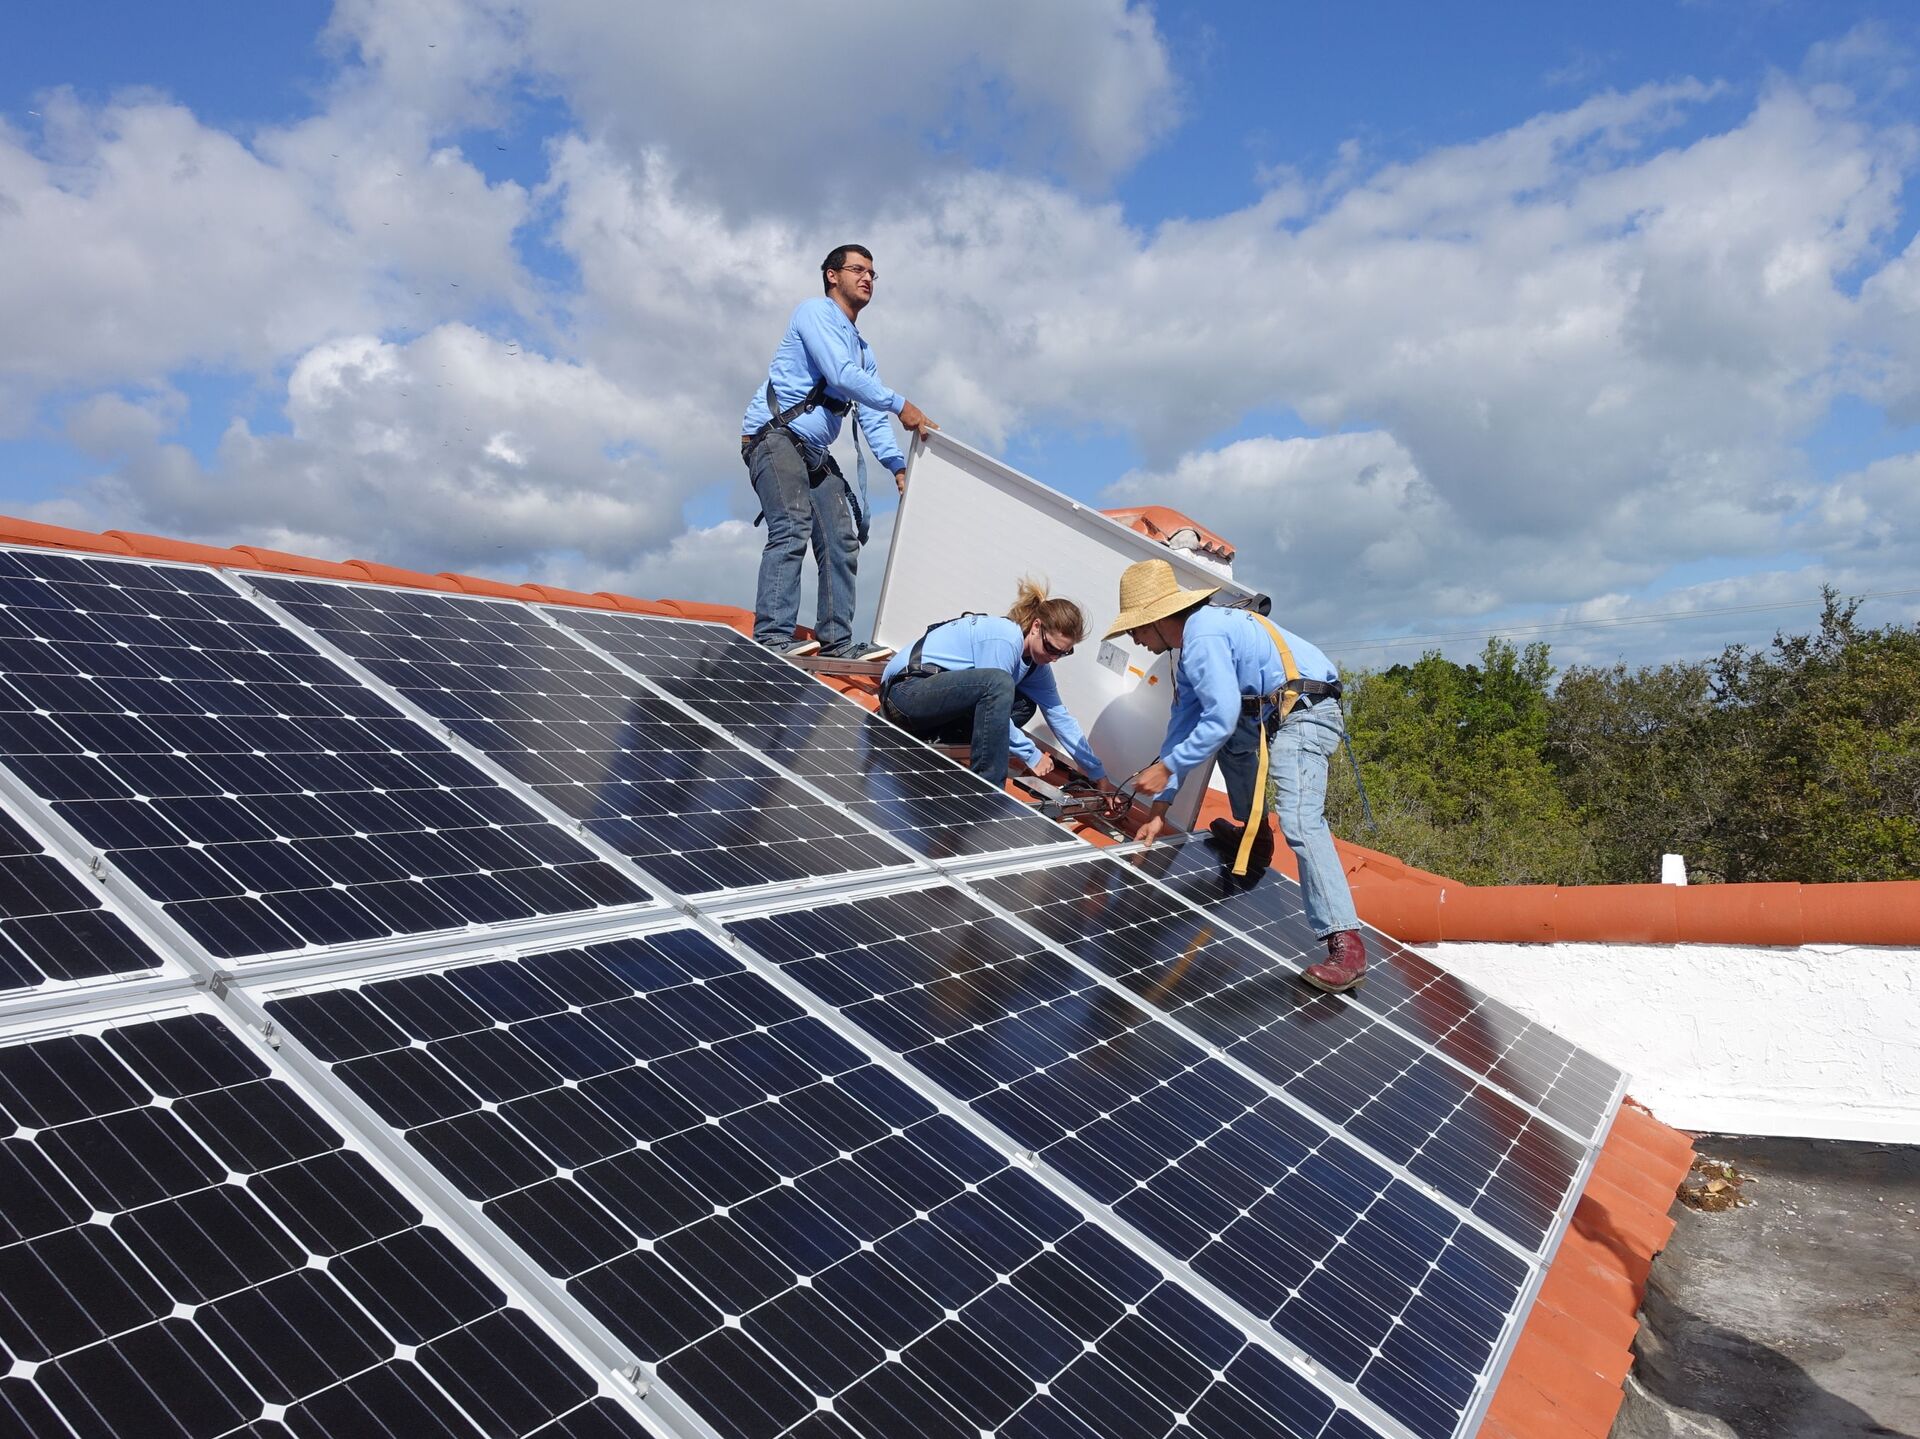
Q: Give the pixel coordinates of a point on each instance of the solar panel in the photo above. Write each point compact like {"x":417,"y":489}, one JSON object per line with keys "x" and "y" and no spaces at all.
{"x":1383,"y":1288}
{"x":53,"y":932}
{"x":1525,"y":1059}
{"x":266,"y":799}
{"x":635,"y":770}
{"x":188,"y":1249}
{"x":886,"y":777}
{"x":1510,"y":1168}
{"x":792,"y":1238}
{"x":1059,"y":1150}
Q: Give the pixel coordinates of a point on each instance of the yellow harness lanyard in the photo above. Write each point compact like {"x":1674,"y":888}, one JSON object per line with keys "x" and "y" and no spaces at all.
{"x":1288,"y":695}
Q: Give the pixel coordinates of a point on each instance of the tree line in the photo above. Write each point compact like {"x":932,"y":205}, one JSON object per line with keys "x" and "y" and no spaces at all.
{"x":1798,"y":761}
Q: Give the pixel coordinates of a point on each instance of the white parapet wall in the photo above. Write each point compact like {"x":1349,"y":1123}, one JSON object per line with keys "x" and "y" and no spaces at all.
{"x":1821,"y":1041}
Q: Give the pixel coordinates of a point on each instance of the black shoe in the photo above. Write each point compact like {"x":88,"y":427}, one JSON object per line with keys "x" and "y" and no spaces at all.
{"x":799,"y":649}
{"x":861,"y":653}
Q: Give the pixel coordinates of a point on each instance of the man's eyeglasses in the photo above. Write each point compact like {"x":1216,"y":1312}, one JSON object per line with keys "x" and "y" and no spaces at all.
{"x":1053,"y":651}
{"x":858,"y":270}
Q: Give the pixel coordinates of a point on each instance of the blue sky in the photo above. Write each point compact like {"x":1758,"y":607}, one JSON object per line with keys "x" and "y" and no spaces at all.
{"x":1452,"y":318}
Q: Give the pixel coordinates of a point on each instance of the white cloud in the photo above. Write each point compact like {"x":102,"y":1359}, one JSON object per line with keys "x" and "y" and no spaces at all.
{"x":453,"y":450}
{"x":140,"y":241}
{"x":1570,"y":359}
{"x":806,"y":107}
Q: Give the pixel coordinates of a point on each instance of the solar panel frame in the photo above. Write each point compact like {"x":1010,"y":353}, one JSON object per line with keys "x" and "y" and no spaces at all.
{"x":1360,"y":1075}
{"x":1500,"y":1348}
{"x":116,"y":760}
{"x":427,"y":625}
{"x":136,"y":1047}
{"x":264,"y":994}
{"x":50,"y":901}
{"x":631,"y":641}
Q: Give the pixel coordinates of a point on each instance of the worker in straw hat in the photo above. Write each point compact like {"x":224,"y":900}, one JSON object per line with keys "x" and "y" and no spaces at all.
{"x":1268,"y":703}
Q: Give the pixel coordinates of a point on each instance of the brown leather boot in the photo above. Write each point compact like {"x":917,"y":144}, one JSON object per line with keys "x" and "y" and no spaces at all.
{"x":1345,"y":965}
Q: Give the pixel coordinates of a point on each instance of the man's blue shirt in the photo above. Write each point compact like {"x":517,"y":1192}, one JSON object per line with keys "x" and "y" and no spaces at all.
{"x":991,"y":642}
{"x":1226,"y":654}
{"x":821,"y":343}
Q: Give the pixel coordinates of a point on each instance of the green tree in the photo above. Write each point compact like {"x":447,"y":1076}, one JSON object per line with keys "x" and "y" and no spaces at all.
{"x":1455,"y":771}
{"x":1824,"y":744}
{"x":1641,"y":754}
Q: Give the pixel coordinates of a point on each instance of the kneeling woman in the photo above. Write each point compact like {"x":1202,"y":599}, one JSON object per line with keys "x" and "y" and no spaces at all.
{"x":977,"y":679}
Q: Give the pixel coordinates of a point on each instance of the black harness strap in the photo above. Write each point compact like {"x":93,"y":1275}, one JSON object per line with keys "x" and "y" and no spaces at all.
{"x":914,"y":669}
{"x":816,"y":398}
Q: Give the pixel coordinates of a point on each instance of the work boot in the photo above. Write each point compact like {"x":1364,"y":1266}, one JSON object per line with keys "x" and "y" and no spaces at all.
{"x":1345,"y":965}
{"x":1224,"y":835}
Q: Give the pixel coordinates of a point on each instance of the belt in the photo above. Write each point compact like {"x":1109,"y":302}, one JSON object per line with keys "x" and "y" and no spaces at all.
{"x":1310,"y":691}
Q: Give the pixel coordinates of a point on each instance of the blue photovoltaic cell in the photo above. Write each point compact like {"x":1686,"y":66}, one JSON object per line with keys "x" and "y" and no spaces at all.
{"x":52,"y":931}
{"x":797,"y":1242}
{"x":1474,"y":1145}
{"x":187,"y":1250}
{"x":1527,"y":1060}
{"x":885,"y":776}
{"x":265,"y":798}
{"x":1378,"y":1284}
{"x":636,"y":771}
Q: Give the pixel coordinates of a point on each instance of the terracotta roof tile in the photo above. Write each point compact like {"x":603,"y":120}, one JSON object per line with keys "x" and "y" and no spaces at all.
{"x":489,"y":589}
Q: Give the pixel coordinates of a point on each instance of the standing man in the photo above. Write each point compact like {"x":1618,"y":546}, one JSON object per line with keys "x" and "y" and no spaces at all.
{"x":1253,"y":692}
{"x":822,"y":367}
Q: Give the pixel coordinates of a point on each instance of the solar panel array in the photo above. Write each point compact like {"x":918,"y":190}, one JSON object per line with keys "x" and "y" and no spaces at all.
{"x":187,"y":1247}
{"x":636,"y":771}
{"x":1476,"y":1145}
{"x":419,"y":1016}
{"x":889,"y":780}
{"x":269,"y":801}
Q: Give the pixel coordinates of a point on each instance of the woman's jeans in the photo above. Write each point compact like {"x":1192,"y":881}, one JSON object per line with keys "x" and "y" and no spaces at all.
{"x":971,"y":707}
{"x":802,"y":504}
{"x":1297,"y":759}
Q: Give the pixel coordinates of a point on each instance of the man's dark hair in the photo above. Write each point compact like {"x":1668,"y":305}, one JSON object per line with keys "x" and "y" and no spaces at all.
{"x":837,"y":257}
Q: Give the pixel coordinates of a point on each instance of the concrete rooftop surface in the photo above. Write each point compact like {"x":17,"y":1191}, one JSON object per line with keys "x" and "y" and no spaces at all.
{"x":1794,"y":1316}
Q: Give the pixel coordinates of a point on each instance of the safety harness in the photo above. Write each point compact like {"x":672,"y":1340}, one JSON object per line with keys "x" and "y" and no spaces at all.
{"x":915,"y":668}
{"x":782,"y":420}
{"x":1292,"y":690}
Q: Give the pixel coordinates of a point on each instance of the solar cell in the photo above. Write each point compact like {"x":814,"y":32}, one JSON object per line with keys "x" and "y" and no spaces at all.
{"x":1382,"y":1287}
{"x":265,"y":798}
{"x":188,"y":1249}
{"x":889,"y":779}
{"x":1508,"y":1167}
{"x":1469,"y":1026}
{"x":636,"y":771}
{"x":53,"y":932}
{"x":794,"y":1240}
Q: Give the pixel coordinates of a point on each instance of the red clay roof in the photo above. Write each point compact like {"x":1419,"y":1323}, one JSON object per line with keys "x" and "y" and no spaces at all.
{"x":1157,"y":522}
{"x":1564,"y":1379}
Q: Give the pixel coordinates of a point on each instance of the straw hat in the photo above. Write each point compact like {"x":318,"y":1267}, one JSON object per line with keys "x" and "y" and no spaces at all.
{"x":1150,"y":591}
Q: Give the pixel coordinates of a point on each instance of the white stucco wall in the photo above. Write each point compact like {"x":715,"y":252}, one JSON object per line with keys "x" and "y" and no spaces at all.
{"x":1821,"y":1041}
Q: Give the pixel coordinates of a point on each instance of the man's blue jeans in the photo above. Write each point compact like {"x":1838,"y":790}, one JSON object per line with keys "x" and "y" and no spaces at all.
{"x":1297,"y":763}
{"x":971,"y":707}
{"x":803,"y":504}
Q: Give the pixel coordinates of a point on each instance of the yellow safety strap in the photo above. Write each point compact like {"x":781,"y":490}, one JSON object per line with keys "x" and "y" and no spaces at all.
{"x":1289,"y":697}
